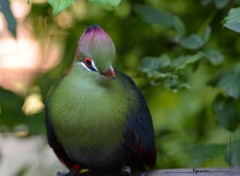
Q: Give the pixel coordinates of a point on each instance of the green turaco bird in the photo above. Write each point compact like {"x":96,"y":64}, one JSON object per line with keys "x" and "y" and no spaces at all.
{"x":96,"y":118}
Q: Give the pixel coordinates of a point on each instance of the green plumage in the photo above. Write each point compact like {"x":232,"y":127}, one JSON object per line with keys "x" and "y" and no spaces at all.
{"x":97,"y":118}
{"x":92,"y":108}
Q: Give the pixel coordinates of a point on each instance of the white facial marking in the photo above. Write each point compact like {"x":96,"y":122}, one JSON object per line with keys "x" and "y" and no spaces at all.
{"x":93,"y":64}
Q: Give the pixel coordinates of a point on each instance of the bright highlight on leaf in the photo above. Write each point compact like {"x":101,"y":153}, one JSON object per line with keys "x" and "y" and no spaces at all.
{"x":232,"y":21}
{"x":59,"y":5}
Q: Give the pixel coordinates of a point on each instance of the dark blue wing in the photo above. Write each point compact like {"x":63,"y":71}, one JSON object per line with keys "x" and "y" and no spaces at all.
{"x":139,"y":134}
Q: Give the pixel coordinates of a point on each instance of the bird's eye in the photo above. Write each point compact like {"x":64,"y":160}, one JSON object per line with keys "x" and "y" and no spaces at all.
{"x":88,"y":62}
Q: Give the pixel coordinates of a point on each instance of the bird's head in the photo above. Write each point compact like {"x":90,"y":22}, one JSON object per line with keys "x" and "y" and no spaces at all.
{"x":96,"y":51}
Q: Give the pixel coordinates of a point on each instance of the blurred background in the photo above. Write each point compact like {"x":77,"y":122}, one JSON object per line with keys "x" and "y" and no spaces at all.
{"x":178,"y":52}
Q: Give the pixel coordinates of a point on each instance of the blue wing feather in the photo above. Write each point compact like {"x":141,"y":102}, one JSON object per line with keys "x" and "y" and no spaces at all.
{"x":139,"y":134}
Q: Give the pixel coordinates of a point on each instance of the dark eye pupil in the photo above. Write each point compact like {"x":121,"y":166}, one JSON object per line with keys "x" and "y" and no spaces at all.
{"x":88,"y":62}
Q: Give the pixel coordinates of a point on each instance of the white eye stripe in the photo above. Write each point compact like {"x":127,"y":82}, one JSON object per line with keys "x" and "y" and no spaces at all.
{"x":84,"y":65}
{"x":93,"y":64}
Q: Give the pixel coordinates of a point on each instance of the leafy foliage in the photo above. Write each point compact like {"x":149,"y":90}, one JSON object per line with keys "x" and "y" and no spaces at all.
{"x":12,"y":118}
{"x":154,"y":16}
{"x":226,"y":112}
{"x":229,"y":82}
{"x":167,"y":71}
{"x":192,"y":42}
{"x":232,"y":21}
{"x":108,"y":4}
{"x":59,"y":5}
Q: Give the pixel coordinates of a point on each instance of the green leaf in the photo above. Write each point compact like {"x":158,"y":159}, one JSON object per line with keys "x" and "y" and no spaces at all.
{"x":160,"y":71}
{"x":192,"y":42}
{"x":227,"y":112}
{"x":184,"y":61}
{"x":59,"y":5}
{"x":232,"y":153}
{"x":154,"y":63}
{"x":5,"y":8}
{"x":175,"y":84}
{"x":156,"y":67}
{"x":108,"y":4}
{"x":229,"y":82}
{"x":220,"y":4}
{"x":207,"y":34}
{"x":155,"y":16}
{"x":215,"y":57}
{"x":232,"y":21}
{"x":179,"y":26}
{"x":200,"y":153}
{"x":206,"y":2}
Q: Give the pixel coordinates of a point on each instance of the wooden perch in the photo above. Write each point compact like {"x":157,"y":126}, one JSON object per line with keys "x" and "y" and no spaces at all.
{"x":197,"y":171}
{"x":185,"y":172}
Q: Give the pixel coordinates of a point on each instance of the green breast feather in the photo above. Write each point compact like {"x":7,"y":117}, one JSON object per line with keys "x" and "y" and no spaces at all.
{"x":90,"y":114}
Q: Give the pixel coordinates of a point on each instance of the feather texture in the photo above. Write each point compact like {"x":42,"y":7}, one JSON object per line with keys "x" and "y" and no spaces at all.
{"x":96,"y":122}
{"x":96,"y":44}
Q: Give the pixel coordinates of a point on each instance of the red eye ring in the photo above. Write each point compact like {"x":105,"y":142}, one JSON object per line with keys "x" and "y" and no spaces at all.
{"x":88,"y":62}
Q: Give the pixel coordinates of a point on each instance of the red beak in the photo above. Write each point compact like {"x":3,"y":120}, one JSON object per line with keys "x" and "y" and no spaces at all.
{"x":110,"y":73}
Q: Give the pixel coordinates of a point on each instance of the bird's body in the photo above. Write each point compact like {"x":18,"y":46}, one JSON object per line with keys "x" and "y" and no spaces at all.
{"x":96,"y":122}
